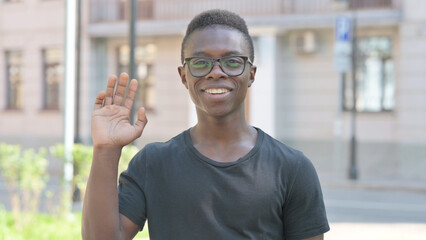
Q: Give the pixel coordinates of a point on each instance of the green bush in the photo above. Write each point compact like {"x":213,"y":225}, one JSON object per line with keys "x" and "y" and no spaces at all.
{"x":40,"y":226}
{"x":126,"y":155}
{"x":82,"y":161}
{"x":45,"y":226}
{"x":25,"y":173}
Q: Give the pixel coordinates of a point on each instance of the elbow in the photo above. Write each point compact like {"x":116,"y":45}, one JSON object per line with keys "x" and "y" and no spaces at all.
{"x":98,"y":234}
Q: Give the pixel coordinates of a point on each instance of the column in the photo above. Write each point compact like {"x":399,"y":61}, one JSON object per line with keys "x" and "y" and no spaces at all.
{"x":263,"y":91}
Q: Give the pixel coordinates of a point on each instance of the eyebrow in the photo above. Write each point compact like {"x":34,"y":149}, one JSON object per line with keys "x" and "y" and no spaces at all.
{"x":202,"y":53}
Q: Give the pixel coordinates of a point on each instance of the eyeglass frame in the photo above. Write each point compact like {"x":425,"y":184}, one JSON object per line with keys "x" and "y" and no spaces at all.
{"x":214,"y":60}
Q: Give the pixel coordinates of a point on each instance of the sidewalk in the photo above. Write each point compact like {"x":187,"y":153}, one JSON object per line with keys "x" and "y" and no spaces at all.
{"x":374,"y":184}
{"x":376,"y":231}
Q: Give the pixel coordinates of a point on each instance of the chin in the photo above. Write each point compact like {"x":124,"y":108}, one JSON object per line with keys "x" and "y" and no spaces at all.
{"x":221,"y":113}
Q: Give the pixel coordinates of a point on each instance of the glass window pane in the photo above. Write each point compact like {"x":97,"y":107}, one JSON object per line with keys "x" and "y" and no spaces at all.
{"x":53,"y":75}
{"x":144,"y":61}
{"x":375,"y":76}
{"x":14,"y":79}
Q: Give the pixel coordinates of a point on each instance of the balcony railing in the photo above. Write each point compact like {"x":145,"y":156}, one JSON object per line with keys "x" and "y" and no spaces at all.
{"x":118,"y":10}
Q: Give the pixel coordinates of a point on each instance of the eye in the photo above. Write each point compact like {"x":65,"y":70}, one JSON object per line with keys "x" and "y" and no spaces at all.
{"x":233,"y":62}
{"x":200,"y":63}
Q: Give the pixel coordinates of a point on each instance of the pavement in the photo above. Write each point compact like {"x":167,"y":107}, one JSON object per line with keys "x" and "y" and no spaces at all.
{"x":398,"y":184}
{"x":376,"y":231}
{"x":375,"y":212}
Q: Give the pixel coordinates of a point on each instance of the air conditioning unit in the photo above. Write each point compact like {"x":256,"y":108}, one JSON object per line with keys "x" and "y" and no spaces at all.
{"x":305,"y":42}
{"x":340,"y":5}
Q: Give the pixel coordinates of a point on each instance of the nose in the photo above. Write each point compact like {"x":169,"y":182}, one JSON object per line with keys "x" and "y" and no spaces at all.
{"x":216,"y":72}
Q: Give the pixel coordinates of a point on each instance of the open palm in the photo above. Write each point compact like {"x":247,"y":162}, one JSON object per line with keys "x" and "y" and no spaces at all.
{"x":111,"y":117}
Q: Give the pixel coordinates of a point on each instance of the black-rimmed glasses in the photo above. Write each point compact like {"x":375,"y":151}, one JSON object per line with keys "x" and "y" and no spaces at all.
{"x":233,"y":66}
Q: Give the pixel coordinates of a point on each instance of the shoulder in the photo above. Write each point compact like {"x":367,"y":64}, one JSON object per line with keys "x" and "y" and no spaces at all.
{"x":162,"y":150}
{"x":281,"y":151}
{"x":159,"y":148}
{"x":289,"y":162}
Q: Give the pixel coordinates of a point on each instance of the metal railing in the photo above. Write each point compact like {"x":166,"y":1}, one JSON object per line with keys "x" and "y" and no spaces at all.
{"x":117,"y":10}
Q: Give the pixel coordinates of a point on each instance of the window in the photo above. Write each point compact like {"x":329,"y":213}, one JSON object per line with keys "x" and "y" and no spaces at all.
{"x":365,"y":4}
{"x":14,"y":79}
{"x":52,"y":78}
{"x":144,"y":9}
{"x":144,"y":61}
{"x":375,"y":77}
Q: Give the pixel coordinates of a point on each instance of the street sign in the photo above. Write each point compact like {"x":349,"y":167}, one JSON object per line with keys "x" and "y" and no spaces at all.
{"x":343,"y":46}
{"x":343,"y":29}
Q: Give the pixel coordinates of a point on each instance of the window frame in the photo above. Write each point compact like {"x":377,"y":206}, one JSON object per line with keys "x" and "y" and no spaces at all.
{"x":45,"y":103}
{"x":18,"y":103}
{"x":144,"y":83}
{"x":347,"y":107}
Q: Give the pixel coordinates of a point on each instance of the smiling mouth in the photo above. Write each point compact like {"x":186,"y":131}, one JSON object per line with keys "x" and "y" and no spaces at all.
{"x":216,"y":90}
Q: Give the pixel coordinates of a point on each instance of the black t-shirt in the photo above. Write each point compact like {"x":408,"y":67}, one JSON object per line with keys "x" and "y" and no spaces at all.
{"x":273,"y":192}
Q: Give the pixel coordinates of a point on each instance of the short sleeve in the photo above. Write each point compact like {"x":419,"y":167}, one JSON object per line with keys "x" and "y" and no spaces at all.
{"x":131,"y":197}
{"x":304,"y":212}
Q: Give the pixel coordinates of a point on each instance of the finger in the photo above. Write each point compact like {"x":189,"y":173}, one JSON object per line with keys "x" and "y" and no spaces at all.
{"x":112,"y":80}
{"x":121,"y":89}
{"x":131,"y":94}
{"x":99,"y":100}
{"x":141,"y":122}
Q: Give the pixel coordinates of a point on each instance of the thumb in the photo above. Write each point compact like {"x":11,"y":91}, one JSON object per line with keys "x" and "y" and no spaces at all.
{"x":141,"y":121}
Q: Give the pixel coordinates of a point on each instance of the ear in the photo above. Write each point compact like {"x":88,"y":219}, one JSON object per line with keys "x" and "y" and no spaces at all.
{"x":252,"y":74}
{"x":182,"y":75}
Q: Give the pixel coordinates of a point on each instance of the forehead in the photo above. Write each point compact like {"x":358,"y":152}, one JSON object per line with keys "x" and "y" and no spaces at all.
{"x":215,"y":42}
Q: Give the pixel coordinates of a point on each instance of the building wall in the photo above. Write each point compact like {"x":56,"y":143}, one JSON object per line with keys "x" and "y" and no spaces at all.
{"x":306,"y":88}
{"x":412,"y":91}
{"x":390,"y":144}
{"x":171,"y":114}
{"x":29,"y":30}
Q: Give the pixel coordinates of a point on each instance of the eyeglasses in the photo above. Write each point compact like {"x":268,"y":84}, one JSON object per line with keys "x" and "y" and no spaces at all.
{"x":233,"y":66}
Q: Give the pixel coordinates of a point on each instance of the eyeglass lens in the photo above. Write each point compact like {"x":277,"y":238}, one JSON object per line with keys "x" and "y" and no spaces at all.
{"x":201,"y":66}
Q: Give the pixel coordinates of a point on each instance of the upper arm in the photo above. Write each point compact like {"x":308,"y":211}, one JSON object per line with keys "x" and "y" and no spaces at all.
{"x":304,"y":212}
{"x":128,"y":228}
{"x":319,"y":237}
{"x":131,"y":196}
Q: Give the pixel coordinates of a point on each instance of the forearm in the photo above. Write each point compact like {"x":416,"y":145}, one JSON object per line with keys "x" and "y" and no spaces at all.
{"x":101,"y":219}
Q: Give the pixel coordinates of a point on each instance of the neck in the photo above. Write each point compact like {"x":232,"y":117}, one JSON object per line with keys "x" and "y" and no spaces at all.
{"x":223,"y":130}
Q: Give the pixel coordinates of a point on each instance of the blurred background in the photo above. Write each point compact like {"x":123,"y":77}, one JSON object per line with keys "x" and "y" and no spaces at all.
{"x":341,"y":80}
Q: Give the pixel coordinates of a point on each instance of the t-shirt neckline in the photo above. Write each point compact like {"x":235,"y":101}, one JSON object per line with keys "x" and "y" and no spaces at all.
{"x":190,"y":146}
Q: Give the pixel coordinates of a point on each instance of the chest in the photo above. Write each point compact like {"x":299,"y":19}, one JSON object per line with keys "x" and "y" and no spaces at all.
{"x":247,"y":191}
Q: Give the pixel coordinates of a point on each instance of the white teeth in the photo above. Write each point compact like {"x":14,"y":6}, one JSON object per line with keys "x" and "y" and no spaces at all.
{"x":216,"y":90}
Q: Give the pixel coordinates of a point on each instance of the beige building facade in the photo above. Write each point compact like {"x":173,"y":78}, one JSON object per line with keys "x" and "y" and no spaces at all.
{"x":298,"y":96}
{"x":31,"y":43}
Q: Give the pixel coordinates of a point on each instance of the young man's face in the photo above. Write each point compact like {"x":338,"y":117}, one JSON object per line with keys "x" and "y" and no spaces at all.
{"x":218,"y":93}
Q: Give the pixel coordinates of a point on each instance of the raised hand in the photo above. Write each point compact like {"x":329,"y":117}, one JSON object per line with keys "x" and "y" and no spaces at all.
{"x":111,"y":125}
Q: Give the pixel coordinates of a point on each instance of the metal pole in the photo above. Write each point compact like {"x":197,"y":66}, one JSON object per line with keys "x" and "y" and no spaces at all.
{"x":338,"y":125}
{"x":77,"y":138}
{"x":69,"y":108}
{"x":353,"y":171}
{"x":132,"y":40}
{"x":76,"y":197}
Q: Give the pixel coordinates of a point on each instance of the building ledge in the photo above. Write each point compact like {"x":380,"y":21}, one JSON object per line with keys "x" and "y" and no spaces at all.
{"x":257,"y":25}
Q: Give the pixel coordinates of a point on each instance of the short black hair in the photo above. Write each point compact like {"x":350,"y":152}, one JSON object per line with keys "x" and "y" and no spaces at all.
{"x":222,"y":18}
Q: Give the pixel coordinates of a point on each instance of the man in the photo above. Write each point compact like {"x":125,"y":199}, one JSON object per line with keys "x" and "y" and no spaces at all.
{"x":222,"y":178}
